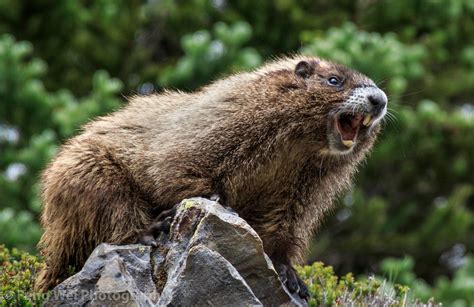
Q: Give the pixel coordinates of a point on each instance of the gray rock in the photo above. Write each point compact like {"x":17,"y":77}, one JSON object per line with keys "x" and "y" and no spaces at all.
{"x":212,"y":257}
{"x":112,"y":272}
{"x":206,"y":278}
{"x":229,"y":235}
{"x":116,"y":287}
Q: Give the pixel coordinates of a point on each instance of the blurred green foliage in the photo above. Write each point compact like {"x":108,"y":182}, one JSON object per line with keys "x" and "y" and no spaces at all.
{"x":459,"y":291}
{"x":208,"y":57}
{"x":63,"y":63}
{"x":33,"y":121}
{"x":75,"y":38}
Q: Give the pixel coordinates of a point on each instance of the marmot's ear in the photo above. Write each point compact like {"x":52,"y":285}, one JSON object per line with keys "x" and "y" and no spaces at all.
{"x":304,"y":69}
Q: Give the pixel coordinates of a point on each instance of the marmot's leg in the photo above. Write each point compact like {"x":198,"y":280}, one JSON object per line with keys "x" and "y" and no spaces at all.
{"x":89,"y":198}
{"x":288,"y":275}
{"x":290,"y":278}
{"x":283,"y":248}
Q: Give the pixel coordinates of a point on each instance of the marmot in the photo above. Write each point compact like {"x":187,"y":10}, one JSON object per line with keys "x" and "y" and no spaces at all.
{"x":276,"y":144}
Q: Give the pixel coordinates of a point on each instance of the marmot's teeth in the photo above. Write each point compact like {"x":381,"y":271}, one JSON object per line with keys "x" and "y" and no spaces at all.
{"x":348,"y":143}
{"x":367,"y":120}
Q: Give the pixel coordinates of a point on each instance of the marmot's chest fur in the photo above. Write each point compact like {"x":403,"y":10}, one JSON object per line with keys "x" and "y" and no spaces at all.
{"x":277,"y":144}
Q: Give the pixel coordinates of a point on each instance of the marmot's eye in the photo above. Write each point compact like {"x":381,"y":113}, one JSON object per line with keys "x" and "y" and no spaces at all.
{"x":334,"y":81}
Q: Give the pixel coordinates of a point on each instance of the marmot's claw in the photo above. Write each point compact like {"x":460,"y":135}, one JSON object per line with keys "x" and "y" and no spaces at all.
{"x":167,"y":213}
{"x":292,"y":281}
{"x":303,"y":292}
{"x":147,"y":240}
{"x":161,"y":224}
{"x":215,"y":197}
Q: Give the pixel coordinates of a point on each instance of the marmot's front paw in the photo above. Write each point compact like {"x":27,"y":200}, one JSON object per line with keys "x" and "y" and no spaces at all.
{"x":161,"y":224}
{"x":291,"y":280}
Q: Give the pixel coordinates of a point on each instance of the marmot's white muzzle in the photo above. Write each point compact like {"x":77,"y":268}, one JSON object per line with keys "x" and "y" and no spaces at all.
{"x":370,"y":100}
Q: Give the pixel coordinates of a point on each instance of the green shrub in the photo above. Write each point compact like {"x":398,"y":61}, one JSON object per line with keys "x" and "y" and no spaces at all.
{"x":327,"y":289}
{"x":17,"y":274}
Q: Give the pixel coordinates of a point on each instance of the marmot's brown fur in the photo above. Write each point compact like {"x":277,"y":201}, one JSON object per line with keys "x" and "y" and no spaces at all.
{"x":277,"y":144}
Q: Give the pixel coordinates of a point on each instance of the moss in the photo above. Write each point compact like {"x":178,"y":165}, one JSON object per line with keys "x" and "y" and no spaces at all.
{"x":17,"y":274}
{"x":189,"y":204}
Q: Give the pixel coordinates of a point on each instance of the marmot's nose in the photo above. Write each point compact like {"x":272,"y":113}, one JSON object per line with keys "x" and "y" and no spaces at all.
{"x":378,"y":100}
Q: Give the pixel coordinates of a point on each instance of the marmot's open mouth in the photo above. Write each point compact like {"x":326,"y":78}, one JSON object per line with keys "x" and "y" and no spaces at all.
{"x":348,"y":126}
